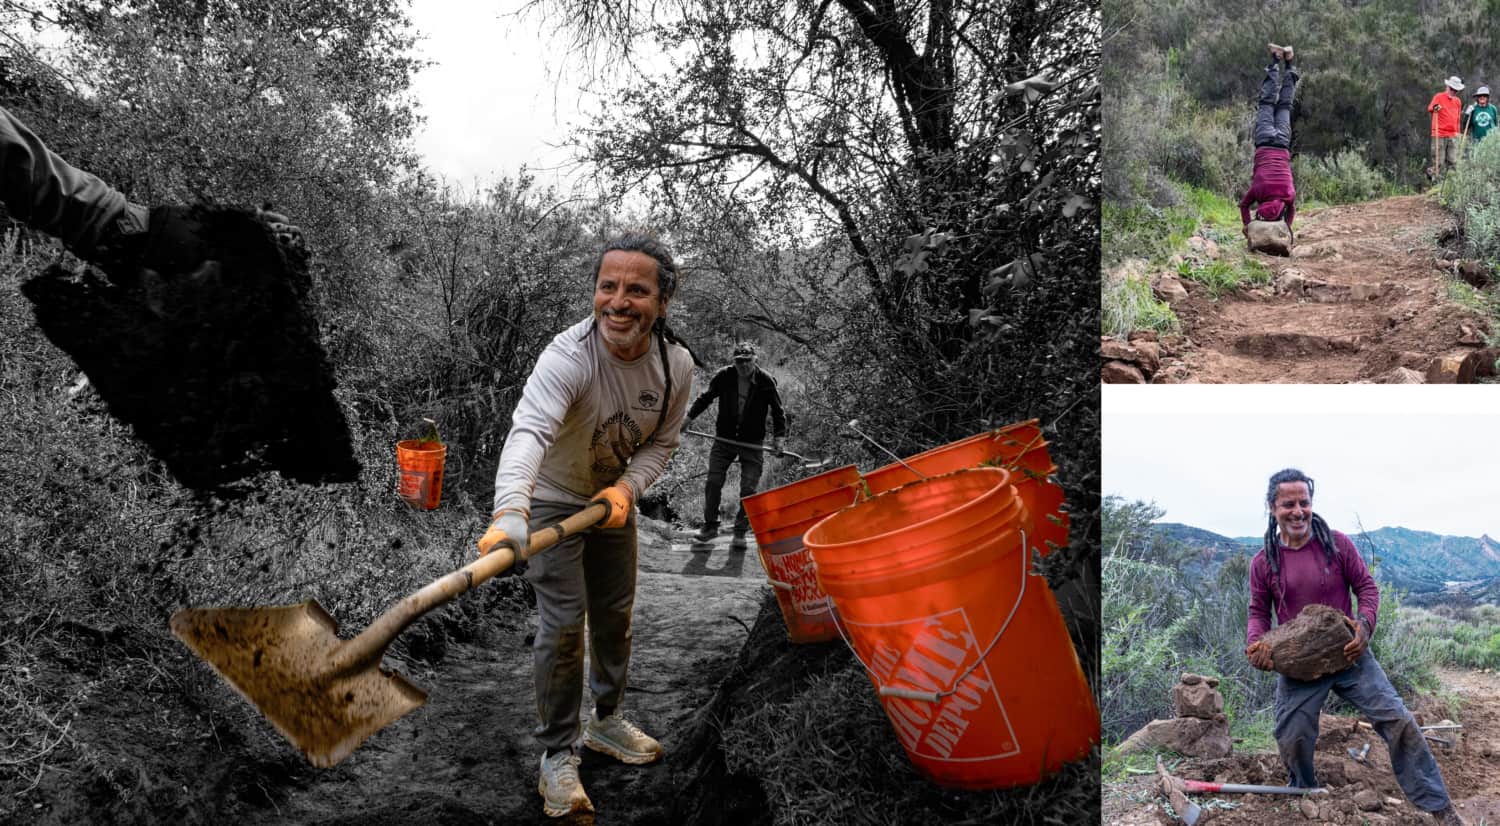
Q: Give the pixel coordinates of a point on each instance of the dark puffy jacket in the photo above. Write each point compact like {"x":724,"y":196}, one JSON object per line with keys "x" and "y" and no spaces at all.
{"x":724,"y":386}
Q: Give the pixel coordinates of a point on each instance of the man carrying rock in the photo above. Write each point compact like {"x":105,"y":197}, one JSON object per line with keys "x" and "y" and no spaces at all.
{"x":599,"y":418}
{"x":1303,"y":562}
{"x":1271,"y":188}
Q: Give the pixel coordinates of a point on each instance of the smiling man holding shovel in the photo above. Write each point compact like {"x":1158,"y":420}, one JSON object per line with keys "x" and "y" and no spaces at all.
{"x":745,"y":394}
{"x":599,"y":417}
{"x":1303,"y":562}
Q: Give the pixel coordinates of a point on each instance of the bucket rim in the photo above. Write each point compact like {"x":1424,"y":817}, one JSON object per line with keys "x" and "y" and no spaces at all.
{"x":1002,"y":481}
{"x":755,"y":499}
{"x":412,"y":445}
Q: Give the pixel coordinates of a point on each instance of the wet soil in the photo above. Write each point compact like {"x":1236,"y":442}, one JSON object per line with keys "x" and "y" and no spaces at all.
{"x":1470,"y":767}
{"x":1364,"y":292}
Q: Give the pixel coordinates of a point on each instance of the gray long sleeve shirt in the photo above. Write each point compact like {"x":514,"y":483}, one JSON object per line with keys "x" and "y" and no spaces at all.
{"x":588,"y":420}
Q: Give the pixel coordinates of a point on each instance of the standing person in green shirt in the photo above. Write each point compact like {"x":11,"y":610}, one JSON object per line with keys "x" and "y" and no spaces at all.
{"x":1481,"y":115}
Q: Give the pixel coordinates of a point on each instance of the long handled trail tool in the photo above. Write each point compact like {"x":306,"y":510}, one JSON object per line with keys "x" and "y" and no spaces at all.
{"x":1175,"y":789}
{"x":324,"y":694}
{"x":807,"y":464}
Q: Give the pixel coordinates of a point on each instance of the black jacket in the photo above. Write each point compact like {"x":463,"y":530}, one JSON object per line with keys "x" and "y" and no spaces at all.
{"x":724,"y":386}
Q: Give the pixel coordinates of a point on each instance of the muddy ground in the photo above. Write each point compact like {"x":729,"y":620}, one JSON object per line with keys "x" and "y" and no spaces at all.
{"x":1365,"y":292}
{"x":1471,"y":768}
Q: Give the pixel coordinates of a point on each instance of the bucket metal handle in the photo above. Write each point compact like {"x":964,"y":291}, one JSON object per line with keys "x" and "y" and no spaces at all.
{"x":776,"y":583}
{"x":937,"y":696}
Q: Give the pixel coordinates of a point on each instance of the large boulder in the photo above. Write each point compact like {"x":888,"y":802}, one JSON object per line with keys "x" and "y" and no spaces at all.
{"x":1270,"y":237}
{"x":1185,"y":735}
{"x":1311,"y":645}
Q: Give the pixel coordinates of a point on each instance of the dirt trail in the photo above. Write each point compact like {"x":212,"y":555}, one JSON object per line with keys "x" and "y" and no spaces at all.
{"x":467,"y":757}
{"x":1471,"y":768}
{"x":1364,"y":293}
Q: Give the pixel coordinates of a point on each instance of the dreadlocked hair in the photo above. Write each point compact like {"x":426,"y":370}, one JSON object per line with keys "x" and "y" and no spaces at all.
{"x":1320,"y":528}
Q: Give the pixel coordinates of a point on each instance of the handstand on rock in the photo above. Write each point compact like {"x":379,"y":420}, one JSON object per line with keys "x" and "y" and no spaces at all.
{"x":1272,"y":191}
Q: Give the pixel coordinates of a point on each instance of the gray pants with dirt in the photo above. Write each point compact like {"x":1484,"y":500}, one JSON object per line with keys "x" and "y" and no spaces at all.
{"x":1273,"y":111}
{"x":590,"y":575}
{"x":719,"y":459}
{"x":1365,"y":685}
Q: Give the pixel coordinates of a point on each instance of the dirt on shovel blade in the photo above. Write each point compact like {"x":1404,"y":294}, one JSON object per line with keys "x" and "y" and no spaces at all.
{"x":217,"y":368}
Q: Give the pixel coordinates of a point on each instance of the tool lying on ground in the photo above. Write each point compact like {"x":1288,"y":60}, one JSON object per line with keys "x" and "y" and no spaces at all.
{"x":807,"y":463}
{"x":1359,"y":754}
{"x":1175,"y":787}
{"x":324,"y":694}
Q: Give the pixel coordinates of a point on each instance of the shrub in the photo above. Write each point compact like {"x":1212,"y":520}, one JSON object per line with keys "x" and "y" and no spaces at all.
{"x":1129,"y":305}
{"x":1343,"y":178}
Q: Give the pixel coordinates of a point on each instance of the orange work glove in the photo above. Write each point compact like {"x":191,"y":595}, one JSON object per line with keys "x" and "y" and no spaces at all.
{"x":509,"y":527}
{"x":619,"y":499}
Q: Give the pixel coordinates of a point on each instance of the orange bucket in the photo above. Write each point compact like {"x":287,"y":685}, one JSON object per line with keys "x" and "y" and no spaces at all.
{"x":1018,"y":446}
{"x":965,"y":647}
{"x":421,"y":465}
{"x":779,"y":517}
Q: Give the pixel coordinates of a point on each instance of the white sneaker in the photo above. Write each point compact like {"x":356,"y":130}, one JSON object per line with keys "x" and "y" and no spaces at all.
{"x":562,"y":792}
{"x":619,"y":738}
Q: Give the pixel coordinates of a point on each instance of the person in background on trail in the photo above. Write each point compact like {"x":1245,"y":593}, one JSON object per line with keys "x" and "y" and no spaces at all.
{"x":745,"y":394}
{"x":1271,"y":189}
{"x":1480,"y":117}
{"x":92,"y":219}
{"x":1445,"y":106}
{"x":598,"y":419}
{"x":1302,"y":562}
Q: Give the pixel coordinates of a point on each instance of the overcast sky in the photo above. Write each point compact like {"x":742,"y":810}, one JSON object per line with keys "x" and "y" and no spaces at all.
{"x":498,"y":94}
{"x":1425,"y":457}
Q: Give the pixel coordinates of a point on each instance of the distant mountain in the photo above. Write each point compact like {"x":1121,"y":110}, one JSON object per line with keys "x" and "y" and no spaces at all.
{"x":1431,"y":567}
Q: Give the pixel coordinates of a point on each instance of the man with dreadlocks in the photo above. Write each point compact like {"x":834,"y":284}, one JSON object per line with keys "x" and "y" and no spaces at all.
{"x":599,"y":417}
{"x":1303,"y":562}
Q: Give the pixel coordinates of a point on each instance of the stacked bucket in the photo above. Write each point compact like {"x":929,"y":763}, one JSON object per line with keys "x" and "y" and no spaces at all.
{"x":924,"y":567}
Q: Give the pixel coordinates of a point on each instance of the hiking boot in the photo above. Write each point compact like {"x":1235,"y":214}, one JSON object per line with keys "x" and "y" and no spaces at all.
{"x":1447,"y":816}
{"x":707,"y":533}
{"x":1276,"y":51}
{"x":1286,"y":55}
{"x":738,"y":543}
{"x":561,"y":790}
{"x":619,"y":738}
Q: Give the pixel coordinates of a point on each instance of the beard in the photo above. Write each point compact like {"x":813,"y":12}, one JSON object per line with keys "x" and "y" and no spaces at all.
{"x":622,"y":339}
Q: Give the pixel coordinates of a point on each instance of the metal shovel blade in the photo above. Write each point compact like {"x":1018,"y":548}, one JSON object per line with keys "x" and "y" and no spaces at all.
{"x":282,"y":659}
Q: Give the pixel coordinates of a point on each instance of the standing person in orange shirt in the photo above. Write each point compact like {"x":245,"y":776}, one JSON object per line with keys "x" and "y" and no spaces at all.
{"x":1445,"y":108}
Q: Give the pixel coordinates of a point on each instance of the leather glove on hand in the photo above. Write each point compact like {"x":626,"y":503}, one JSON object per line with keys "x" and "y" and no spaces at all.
{"x":778,"y":446}
{"x":287,"y":234}
{"x":1355,"y":648}
{"x":619,"y":499}
{"x":1260,"y":655}
{"x":509,"y":527}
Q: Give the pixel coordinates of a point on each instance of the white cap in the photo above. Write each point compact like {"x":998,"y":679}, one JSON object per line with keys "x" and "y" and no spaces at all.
{"x":1455,"y":84}
{"x":1483,"y":90}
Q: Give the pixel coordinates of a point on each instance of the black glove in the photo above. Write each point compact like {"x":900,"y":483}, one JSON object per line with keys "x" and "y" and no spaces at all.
{"x":178,"y":240}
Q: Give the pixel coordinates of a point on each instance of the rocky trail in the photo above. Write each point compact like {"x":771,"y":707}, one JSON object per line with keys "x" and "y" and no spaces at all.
{"x":1360,"y":792}
{"x":1364,"y":297}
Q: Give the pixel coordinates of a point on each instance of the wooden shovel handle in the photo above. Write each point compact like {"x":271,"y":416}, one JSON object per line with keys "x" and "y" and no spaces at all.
{"x":371,"y":643}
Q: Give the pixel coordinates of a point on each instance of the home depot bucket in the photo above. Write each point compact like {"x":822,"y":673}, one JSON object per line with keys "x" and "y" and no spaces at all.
{"x":965,"y":647}
{"x":1018,"y":446}
{"x":421,"y":467}
{"x":779,"y":517}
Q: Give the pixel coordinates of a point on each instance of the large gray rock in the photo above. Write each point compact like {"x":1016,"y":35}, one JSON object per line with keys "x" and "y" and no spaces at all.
{"x":1185,"y":735}
{"x":1270,"y":237}
{"x":1311,"y":645}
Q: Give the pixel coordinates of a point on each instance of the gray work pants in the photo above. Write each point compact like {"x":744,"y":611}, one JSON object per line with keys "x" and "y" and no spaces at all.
{"x":719,"y":459}
{"x":1273,"y":112}
{"x":589,"y":575}
{"x":1365,"y":685}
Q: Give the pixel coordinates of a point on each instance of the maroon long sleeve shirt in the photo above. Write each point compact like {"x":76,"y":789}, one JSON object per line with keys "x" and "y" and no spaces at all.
{"x":1307,"y":579}
{"x":1271,"y":181}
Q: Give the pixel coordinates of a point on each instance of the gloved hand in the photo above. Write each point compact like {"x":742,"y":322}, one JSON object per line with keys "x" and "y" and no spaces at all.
{"x":778,"y":445}
{"x":287,"y":234}
{"x":1356,"y":647}
{"x":1260,"y":655}
{"x":177,"y":241}
{"x":509,"y":527}
{"x":619,"y":499}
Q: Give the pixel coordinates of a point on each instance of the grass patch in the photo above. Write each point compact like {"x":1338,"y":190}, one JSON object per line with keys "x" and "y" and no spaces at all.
{"x":1129,"y":305}
{"x":1226,"y":275}
{"x":1144,"y":231}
